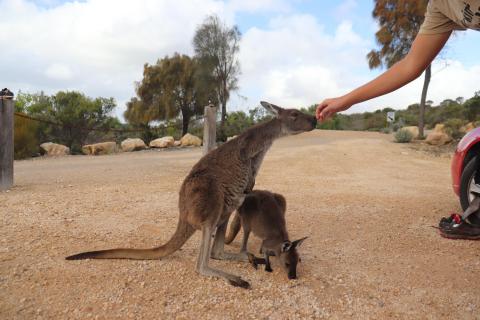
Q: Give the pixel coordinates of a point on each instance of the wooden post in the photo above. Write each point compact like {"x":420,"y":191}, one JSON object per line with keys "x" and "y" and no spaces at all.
{"x":6,"y":142}
{"x":209,"y":128}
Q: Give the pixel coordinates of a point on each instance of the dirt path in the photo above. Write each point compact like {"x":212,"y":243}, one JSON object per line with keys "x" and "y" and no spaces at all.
{"x":366,"y":204}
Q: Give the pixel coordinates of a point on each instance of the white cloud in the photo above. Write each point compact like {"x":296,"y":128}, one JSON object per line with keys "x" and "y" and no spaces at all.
{"x":259,"y":5}
{"x":450,"y":79}
{"x":59,"y":71}
{"x":97,"y":46}
{"x":295,"y":62}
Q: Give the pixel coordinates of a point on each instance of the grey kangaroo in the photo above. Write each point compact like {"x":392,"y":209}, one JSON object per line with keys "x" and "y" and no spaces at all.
{"x":263,"y":213}
{"x":214,"y":188}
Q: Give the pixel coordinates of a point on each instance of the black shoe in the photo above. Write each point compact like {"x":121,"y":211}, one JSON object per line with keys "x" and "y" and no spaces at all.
{"x":455,"y":228}
{"x":446,"y":222}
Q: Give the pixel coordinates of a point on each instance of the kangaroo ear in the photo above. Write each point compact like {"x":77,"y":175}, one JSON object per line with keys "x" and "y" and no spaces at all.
{"x":298,"y":243}
{"x":273,"y":109}
{"x":286,"y":246}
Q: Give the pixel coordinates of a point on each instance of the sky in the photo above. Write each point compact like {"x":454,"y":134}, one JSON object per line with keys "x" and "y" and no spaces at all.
{"x":292,"y":53}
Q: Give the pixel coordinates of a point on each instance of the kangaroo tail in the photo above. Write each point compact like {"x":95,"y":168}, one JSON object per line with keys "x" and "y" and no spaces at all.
{"x":182,"y":234}
{"x":235,"y":226}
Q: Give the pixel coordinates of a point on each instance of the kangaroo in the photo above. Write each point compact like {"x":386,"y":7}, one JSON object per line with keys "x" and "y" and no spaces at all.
{"x":214,"y":188}
{"x":263,"y":213}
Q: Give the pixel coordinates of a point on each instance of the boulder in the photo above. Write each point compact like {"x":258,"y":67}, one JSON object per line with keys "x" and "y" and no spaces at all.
{"x":129,"y":145}
{"x":413,"y":130}
{"x":164,"y":142}
{"x":177,"y":143}
{"x":190,"y":140}
{"x":100,"y":148}
{"x":439,"y":136}
{"x":55,"y":149}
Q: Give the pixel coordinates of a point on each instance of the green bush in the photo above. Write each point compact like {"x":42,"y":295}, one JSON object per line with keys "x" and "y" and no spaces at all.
{"x":403,"y":136}
{"x":25,"y":138}
{"x":236,"y":122}
{"x":386,"y":130}
{"x":452,"y":126}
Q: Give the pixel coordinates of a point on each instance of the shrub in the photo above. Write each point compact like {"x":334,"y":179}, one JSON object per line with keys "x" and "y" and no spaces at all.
{"x":25,"y":138}
{"x":403,"y":136}
{"x":452,"y":127}
{"x":236,"y":123}
{"x":386,"y":130}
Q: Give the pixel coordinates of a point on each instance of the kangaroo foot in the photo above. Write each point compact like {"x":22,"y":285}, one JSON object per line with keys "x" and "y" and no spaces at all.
{"x":234,"y":280}
{"x":240,"y":283}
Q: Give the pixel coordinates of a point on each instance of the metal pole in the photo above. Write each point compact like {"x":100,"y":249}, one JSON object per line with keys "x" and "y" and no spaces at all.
{"x":6,"y":139}
{"x":209,"y":128}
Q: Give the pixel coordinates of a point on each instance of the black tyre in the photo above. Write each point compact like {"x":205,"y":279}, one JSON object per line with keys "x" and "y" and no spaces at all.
{"x":467,"y":183}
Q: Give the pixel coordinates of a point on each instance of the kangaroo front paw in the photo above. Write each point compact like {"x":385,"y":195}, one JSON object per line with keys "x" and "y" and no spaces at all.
{"x":253,"y":260}
{"x":239,"y":282}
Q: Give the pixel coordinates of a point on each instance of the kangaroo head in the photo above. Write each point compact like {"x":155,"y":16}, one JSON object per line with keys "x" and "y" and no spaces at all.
{"x":289,"y":257}
{"x":293,"y":121}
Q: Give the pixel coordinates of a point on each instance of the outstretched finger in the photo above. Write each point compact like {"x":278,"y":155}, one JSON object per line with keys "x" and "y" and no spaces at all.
{"x":325,"y":114}
{"x":320,"y":108}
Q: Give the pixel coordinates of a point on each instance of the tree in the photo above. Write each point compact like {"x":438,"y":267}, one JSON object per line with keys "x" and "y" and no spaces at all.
{"x":237,"y":122}
{"x":217,"y":46}
{"x":76,"y":114}
{"x":399,"y":24}
{"x":171,"y":87}
{"x":472,"y":107}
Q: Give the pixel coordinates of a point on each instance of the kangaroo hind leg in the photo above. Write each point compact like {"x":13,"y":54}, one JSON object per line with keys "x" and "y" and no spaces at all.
{"x":203,"y":259}
{"x":218,"y":249}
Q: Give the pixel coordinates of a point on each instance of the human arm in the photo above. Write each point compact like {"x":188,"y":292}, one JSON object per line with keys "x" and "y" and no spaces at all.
{"x":424,"y":49}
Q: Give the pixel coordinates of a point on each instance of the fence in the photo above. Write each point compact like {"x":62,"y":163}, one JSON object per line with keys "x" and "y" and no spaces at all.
{"x":7,"y":133}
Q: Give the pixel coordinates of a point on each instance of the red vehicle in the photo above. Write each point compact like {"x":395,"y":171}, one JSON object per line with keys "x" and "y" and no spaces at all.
{"x":464,"y":167}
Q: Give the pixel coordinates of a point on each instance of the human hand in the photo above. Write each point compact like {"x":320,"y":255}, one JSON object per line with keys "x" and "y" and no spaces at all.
{"x":329,"y":107}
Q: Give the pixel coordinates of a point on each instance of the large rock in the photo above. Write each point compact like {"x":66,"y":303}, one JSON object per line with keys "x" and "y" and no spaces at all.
{"x":413,"y":130}
{"x":190,"y":140}
{"x":439,"y":136}
{"x":164,"y":142}
{"x":129,"y":145}
{"x":100,"y":148}
{"x":54,"y":149}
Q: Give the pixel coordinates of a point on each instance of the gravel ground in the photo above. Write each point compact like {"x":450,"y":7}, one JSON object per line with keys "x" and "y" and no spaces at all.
{"x":366,"y":204}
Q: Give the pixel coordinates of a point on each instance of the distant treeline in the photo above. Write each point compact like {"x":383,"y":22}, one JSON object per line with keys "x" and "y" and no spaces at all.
{"x":453,"y":113}
{"x":73,"y":119}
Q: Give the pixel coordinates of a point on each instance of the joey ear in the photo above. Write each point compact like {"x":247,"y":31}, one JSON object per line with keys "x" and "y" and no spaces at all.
{"x":286,"y":246}
{"x":298,"y":243}
{"x":273,"y":109}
